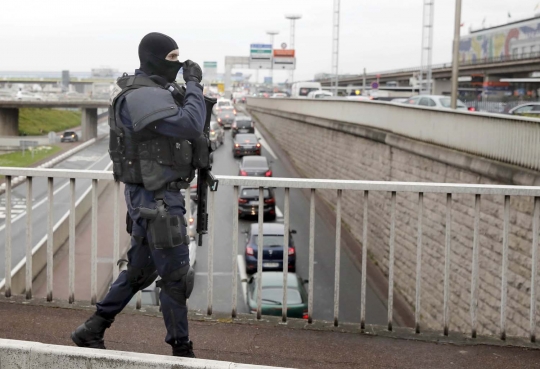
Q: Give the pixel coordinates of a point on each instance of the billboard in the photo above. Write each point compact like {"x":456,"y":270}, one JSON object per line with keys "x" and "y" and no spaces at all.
{"x":517,"y":40}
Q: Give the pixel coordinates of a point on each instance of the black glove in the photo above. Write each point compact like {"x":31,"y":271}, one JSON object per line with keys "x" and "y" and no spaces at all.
{"x":192,"y":72}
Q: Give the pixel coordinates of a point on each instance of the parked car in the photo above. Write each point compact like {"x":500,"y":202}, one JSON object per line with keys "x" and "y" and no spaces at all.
{"x":225,"y":118}
{"x":530,"y":109}
{"x":243,"y":124}
{"x":273,"y":242}
{"x":69,"y":136}
{"x":248,"y":202}
{"x":255,"y":166}
{"x":246,"y":144}
{"x":216,"y":132}
{"x":435,"y":101}
{"x":272,"y":295}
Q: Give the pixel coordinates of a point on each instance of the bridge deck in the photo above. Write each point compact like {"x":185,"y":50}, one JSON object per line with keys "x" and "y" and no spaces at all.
{"x":263,"y":343}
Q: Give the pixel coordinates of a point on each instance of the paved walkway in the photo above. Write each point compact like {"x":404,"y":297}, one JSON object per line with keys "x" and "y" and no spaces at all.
{"x":263,"y":343}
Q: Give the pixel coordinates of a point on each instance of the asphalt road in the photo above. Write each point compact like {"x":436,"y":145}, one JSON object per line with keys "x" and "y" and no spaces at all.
{"x":94,"y":157}
{"x":350,"y":275}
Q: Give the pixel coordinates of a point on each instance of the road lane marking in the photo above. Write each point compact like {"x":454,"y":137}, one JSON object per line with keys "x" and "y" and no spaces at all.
{"x":54,"y":193}
{"x":279,"y":214}
{"x":243,"y":275}
{"x":265,"y":144}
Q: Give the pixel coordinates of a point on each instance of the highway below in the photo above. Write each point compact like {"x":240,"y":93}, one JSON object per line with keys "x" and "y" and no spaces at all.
{"x":323,"y":299}
{"x":94,"y":157}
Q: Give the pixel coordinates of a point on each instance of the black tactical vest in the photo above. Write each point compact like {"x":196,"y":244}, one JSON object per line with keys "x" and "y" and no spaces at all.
{"x":143,"y":156}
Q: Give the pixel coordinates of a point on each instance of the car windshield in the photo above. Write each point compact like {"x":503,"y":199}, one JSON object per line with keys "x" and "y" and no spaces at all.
{"x":243,"y":123}
{"x":446,"y":102}
{"x":69,"y":133}
{"x":304,"y":91}
{"x":252,"y":162}
{"x":274,"y":296}
{"x":270,"y":239}
{"x":254,"y":192}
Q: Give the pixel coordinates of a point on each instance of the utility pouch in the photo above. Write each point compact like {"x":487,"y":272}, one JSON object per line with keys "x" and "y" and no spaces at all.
{"x":166,"y":230}
{"x":183,"y":152}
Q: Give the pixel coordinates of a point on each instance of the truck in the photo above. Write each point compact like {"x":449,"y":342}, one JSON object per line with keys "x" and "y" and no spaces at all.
{"x":302,"y":89}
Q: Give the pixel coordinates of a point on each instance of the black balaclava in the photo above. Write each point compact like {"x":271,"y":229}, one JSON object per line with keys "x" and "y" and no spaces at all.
{"x":153,"y":49}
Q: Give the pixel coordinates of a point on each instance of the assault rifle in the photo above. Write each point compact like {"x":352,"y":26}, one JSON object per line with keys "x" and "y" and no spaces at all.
{"x":205,"y":178}
{"x":203,"y":150}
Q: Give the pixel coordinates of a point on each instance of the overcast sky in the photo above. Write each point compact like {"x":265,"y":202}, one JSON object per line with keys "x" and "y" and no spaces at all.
{"x":51,"y":35}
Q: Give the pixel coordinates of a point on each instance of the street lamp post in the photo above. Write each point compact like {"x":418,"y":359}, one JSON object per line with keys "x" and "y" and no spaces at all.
{"x":455,"y":55}
{"x":292,"y":18}
{"x":272,"y":34}
{"x":335,"y":45}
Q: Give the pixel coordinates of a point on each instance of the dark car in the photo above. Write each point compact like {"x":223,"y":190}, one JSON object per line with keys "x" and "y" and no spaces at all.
{"x":246,"y":144}
{"x":248,"y":202}
{"x":256,"y":166}
{"x":69,"y":136}
{"x":272,"y":248}
{"x":272,"y":295}
{"x":243,"y":124}
{"x":225,"y":118}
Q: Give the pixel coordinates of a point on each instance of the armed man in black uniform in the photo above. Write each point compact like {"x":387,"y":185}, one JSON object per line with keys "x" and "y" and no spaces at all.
{"x":155,"y":146}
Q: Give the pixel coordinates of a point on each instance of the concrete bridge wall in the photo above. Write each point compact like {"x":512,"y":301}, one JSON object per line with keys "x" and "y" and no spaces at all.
{"x":333,"y":148}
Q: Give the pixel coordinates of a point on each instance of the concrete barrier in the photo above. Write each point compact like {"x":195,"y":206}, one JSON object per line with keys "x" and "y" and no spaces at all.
{"x":29,"y":355}
{"x":506,"y":138}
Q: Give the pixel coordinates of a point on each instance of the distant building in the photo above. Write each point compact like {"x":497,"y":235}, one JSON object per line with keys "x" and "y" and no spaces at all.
{"x":105,"y":73}
{"x":520,"y":39}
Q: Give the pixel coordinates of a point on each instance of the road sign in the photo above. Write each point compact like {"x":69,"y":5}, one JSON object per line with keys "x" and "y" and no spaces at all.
{"x":280,"y":53}
{"x":283,"y":45}
{"x":260,"y":56}
{"x":374,"y":85}
{"x":285,"y":63}
{"x":260,"y":52}
{"x":210,"y":64}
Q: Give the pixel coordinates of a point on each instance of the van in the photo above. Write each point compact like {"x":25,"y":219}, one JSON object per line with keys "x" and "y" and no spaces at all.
{"x":302,"y":89}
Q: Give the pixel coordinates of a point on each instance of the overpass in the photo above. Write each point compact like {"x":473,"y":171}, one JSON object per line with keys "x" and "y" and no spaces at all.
{"x":493,"y":69}
{"x":9,"y":114}
{"x":447,"y":214}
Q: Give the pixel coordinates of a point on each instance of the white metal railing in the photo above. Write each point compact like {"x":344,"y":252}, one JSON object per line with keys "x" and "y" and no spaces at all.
{"x":365,"y":187}
{"x":506,"y":138}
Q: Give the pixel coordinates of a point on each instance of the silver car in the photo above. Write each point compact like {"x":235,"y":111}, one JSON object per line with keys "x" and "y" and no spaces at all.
{"x":434,"y":101}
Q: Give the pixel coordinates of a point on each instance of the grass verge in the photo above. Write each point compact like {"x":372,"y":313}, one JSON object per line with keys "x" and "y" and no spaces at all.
{"x":16,"y":159}
{"x":38,"y":121}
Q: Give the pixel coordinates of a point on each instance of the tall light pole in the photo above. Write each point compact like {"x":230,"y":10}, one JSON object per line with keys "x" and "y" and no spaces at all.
{"x":335,"y":45}
{"x":427,"y":49}
{"x":272,"y":35}
{"x":292,"y":18}
{"x":455,"y":55}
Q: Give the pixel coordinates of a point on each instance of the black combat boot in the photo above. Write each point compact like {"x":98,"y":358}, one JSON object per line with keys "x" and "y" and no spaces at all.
{"x":184,"y":349}
{"x":90,"y":334}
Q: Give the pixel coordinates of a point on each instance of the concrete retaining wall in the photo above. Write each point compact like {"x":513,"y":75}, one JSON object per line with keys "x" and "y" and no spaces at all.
{"x":324,"y":148}
{"x":30,"y":355}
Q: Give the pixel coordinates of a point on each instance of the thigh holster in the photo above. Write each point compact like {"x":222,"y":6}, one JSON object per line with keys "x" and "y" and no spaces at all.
{"x":165,"y":230}
{"x":178,"y":284}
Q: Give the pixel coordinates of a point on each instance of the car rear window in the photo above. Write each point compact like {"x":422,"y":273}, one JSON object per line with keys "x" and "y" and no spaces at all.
{"x":246,"y":139}
{"x":269,"y":240}
{"x":224,"y":103}
{"x":252,"y":162}
{"x":446,"y":102}
{"x":275,"y":294}
{"x":243,"y":123}
{"x":254,"y":192}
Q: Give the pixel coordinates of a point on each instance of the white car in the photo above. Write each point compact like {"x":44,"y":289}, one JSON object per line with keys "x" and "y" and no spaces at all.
{"x":278,"y":95}
{"x":224,"y":104}
{"x":434,"y":101}
{"x":319,"y":94}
